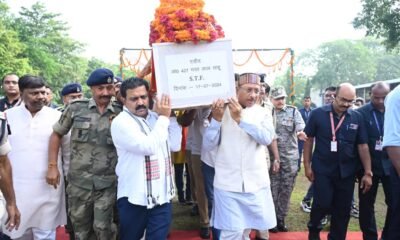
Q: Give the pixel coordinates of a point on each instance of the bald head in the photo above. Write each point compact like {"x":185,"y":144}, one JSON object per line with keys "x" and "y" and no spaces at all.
{"x":345,"y":96}
{"x":380,"y":86}
{"x":346,"y":88}
{"x":378,"y":93}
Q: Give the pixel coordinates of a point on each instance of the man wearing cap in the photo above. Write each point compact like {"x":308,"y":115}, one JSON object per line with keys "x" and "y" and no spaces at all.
{"x":91,"y":177}
{"x":117,"y":86}
{"x":70,"y":92}
{"x":289,"y":126}
{"x":240,"y":131}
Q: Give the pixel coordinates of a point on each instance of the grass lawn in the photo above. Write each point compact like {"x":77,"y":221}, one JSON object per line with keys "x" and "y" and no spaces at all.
{"x":296,"y":219}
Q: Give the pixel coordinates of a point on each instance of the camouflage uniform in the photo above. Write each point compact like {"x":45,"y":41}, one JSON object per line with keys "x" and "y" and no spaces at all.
{"x":288,"y":122}
{"x":91,"y":178}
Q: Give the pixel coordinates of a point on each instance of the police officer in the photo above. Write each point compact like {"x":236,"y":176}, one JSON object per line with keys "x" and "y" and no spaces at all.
{"x":373,"y":115}
{"x":6,"y":185}
{"x":339,"y":133}
{"x":288,"y":126}
{"x":91,"y":178}
{"x":70,"y":92}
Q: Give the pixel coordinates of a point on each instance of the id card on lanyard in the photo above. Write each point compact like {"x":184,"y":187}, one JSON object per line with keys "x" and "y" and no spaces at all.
{"x":334,"y":130}
{"x":378,"y":143}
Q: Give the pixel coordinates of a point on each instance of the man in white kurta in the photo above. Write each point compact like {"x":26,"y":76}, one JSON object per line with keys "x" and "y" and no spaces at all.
{"x":240,"y":131}
{"x":42,"y":206}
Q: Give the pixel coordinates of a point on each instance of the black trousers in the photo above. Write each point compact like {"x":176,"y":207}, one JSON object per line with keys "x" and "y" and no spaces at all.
{"x":332,"y":195}
{"x":367,"y":208}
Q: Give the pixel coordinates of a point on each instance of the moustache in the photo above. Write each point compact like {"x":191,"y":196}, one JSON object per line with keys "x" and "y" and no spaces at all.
{"x":105,"y":97}
{"x":140,"y":107}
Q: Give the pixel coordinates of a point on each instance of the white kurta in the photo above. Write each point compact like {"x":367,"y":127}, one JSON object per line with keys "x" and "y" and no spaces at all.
{"x":41,"y":205}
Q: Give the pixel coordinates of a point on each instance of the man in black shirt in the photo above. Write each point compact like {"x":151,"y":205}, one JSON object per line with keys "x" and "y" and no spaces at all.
{"x":339,"y":133}
{"x":373,"y":116}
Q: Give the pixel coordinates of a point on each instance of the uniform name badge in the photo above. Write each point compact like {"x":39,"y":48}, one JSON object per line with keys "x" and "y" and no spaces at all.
{"x":378,"y":145}
{"x":333,"y":146}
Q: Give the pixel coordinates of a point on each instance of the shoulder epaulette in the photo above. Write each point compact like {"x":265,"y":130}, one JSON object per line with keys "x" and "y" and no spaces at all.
{"x":79,"y":101}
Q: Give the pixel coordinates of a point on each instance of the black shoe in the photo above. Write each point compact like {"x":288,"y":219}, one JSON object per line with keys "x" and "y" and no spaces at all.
{"x":281,"y":226}
{"x":313,"y":236}
{"x":205,"y":233}
{"x":274,"y":230}
{"x":194,"y":211}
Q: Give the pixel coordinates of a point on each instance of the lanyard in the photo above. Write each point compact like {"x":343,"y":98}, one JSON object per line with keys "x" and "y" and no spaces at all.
{"x":377,"y":124}
{"x":334,"y":130}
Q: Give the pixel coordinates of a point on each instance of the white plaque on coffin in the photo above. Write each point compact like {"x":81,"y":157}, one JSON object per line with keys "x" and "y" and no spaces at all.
{"x":194,"y":74}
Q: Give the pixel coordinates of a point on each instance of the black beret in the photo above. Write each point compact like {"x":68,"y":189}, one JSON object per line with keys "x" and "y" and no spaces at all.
{"x":71,"y":88}
{"x":100,"y":76}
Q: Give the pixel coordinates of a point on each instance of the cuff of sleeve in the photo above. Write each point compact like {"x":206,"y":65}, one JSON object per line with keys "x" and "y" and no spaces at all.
{"x":215,"y":123}
{"x":5,"y":148}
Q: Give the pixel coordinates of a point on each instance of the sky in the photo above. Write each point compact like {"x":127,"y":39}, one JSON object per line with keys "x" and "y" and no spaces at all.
{"x":107,"y":26}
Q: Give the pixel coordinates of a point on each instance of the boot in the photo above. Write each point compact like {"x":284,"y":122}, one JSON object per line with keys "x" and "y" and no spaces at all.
{"x":281,"y":226}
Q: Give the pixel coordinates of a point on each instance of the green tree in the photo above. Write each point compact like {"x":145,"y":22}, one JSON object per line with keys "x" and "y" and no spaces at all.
{"x":341,"y":61}
{"x":381,"y":18}
{"x":50,"y":50}
{"x":11,"y":49}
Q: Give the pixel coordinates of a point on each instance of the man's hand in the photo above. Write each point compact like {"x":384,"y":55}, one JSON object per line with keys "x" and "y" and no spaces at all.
{"x":366,"y":183}
{"x":236,"y":109}
{"x":275,"y":166}
{"x":14,"y":217}
{"x":217,"y":109}
{"x":53,"y":176}
{"x":163,"y":106}
{"x":302,"y":136}
{"x":309,"y":174}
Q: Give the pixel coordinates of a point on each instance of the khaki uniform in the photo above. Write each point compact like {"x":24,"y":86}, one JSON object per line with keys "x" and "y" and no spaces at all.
{"x":288,"y":122}
{"x":5,"y":147}
{"x":91,"y":178}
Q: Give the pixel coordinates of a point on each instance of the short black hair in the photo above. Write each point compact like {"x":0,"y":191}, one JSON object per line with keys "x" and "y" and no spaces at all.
{"x":267,"y":87}
{"x":132,"y":83}
{"x":8,"y":74}
{"x":307,"y":97}
{"x":30,"y":81}
{"x":331,"y":89}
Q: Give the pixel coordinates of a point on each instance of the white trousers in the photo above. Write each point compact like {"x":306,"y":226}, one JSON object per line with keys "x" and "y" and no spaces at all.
{"x":235,"y":235}
{"x":38,"y":234}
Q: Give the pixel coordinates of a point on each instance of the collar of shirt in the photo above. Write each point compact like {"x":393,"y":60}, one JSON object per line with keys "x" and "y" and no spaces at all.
{"x":92,"y":103}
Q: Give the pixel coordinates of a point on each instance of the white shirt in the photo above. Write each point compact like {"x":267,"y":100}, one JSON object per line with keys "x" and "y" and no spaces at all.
{"x":196,"y":130}
{"x":392,"y":119}
{"x":41,"y":205}
{"x":133,"y":145}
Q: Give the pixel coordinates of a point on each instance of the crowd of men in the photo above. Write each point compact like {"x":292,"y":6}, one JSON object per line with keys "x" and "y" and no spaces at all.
{"x":104,"y":166}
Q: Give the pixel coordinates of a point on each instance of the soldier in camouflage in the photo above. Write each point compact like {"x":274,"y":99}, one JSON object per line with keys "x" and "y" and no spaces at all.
{"x":289,"y":126}
{"x":91,"y":178}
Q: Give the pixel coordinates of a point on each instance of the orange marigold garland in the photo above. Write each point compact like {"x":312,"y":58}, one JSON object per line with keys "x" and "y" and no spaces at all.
{"x":183,"y":20}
